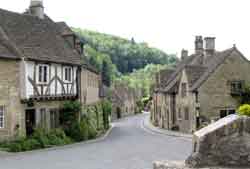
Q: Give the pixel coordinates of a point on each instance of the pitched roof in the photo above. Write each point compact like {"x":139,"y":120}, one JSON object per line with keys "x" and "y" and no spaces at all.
{"x":165,"y":75}
{"x":212,"y":65}
{"x":198,"y":69}
{"x":194,"y":72}
{"x":64,"y":28}
{"x":34,"y":38}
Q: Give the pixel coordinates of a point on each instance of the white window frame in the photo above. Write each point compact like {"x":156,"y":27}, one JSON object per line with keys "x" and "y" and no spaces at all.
{"x":43,"y":74}
{"x":2,"y":116}
{"x":64,"y":74}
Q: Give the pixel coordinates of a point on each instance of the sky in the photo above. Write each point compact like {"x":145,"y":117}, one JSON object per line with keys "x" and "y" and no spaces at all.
{"x":170,"y":25}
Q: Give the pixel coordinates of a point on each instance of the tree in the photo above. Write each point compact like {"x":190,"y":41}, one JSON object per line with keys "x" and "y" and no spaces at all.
{"x":106,"y":77}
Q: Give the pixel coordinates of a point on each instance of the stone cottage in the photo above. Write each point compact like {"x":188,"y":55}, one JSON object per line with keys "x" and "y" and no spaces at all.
{"x":123,"y":101}
{"x":202,"y":88}
{"x":40,"y":69}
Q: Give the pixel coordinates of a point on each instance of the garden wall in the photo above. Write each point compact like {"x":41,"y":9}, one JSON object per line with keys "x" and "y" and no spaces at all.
{"x":223,"y":143}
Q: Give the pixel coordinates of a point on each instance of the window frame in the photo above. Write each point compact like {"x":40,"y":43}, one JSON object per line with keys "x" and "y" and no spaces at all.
{"x":2,"y":117}
{"x":179,"y":114}
{"x":234,"y":86}
{"x":42,"y":73}
{"x":186,"y":115}
{"x":183,"y":90}
{"x":67,"y":78}
{"x":226,"y":112}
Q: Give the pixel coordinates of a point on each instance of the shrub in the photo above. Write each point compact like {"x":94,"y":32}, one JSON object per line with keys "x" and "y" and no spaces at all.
{"x":15,"y":147}
{"x":41,"y":136}
{"x":73,"y":130}
{"x":70,"y":112}
{"x":244,"y":110}
{"x":92,"y":132}
{"x":30,"y":144}
{"x":39,"y":139}
{"x":84,"y":130}
{"x":106,"y":110}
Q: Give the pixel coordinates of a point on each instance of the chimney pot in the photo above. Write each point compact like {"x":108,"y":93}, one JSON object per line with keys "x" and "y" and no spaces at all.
{"x":209,"y":45}
{"x":184,"y":54}
{"x":198,"y":45}
{"x":36,"y":8}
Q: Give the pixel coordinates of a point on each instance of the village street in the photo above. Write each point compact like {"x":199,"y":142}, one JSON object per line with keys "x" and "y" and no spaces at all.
{"x":128,"y":146}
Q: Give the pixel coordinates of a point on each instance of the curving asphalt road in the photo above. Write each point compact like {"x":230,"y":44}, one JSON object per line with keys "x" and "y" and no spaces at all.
{"x":128,"y":146}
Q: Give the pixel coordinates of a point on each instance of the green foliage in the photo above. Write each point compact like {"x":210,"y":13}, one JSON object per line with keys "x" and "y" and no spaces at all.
{"x":126,"y":55}
{"x":106,"y":110}
{"x":140,"y":106}
{"x":40,"y":139}
{"x":142,"y":79}
{"x":106,"y":78}
{"x":70,"y":112}
{"x":244,"y":110}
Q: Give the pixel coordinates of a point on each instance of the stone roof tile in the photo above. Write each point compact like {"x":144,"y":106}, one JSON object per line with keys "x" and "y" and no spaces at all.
{"x":36,"y":39}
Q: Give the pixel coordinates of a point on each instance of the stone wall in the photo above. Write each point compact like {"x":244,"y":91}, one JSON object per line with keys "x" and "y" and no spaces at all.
{"x":223,"y":143}
{"x":90,"y":85}
{"x":10,"y":99}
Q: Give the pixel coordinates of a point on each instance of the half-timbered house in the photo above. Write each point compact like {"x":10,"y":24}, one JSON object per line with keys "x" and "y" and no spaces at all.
{"x":39,"y":70}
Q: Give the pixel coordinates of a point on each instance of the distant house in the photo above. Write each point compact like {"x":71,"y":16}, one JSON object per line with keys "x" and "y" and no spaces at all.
{"x":123,"y":100}
{"x":40,"y":69}
{"x":202,"y":88}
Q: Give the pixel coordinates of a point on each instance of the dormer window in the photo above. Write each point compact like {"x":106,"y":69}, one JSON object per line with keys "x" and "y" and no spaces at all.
{"x":237,"y":87}
{"x":67,"y":74}
{"x":43,"y":73}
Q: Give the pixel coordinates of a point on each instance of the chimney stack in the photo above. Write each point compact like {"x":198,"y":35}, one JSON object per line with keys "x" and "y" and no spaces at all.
{"x":198,"y":45}
{"x":209,"y":45}
{"x":184,"y":54}
{"x":36,"y":8}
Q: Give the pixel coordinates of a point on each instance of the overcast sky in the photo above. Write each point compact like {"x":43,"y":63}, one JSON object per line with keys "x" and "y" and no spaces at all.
{"x":166,"y":24}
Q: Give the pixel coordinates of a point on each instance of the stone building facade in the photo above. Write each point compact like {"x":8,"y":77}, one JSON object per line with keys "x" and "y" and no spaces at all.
{"x":123,"y":102}
{"x":201,"y":89}
{"x":40,"y":69}
{"x":90,"y":85}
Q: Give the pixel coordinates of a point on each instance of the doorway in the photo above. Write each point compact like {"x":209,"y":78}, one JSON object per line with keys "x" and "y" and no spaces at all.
{"x":30,"y":121}
{"x":118,"y":111}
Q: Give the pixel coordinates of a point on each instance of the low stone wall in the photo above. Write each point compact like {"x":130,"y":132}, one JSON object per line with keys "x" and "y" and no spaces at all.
{"x":182,"y":165}
{"x":223,"y":143}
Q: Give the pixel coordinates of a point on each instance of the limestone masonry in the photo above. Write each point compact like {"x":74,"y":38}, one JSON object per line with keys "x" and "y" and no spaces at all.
{"x":224,"y":143}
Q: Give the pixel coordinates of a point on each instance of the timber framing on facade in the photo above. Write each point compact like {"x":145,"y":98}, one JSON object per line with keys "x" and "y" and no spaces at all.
{"x":201,"y":88}
{"x":40,"y":68}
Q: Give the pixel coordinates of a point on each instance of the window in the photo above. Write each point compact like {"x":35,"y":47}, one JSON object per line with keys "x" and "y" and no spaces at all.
{"x":196,"y":97}
{"x":68,"y":74}
{"x":1,"y":116}
{"x":184,"y":89}
{"x":224,"y":113}
{"x":186,"y":113}
{"x":236,"y":87}
{"x":179,"y":113}
{"x":54,"y":118}
{"x":43,"y":73}
{"x":43,"y":118}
